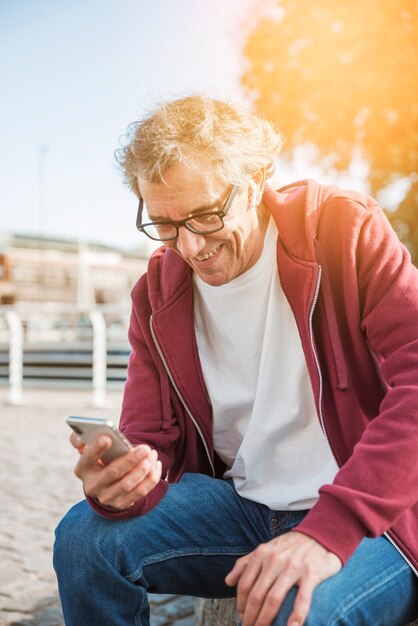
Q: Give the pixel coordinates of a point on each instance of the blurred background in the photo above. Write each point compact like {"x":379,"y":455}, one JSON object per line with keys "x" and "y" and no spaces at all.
{"x":338,"y":78}
{"x":74,"y":76}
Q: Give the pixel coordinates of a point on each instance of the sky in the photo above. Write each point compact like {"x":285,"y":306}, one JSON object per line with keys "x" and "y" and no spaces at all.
{"x":74,"y":75}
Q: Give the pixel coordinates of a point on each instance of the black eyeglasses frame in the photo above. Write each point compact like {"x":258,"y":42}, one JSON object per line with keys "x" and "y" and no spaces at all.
{"x":178,"y":223}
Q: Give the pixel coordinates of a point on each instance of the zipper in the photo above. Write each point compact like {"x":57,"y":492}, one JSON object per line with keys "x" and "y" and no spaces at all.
{"x":320,"y":399}
{"x":176,"y":389}
{"x":389,"y":538}
{"x":318,"y":368}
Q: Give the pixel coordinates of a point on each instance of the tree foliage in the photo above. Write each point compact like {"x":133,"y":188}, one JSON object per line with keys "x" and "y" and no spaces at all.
{"x":342,"y":75}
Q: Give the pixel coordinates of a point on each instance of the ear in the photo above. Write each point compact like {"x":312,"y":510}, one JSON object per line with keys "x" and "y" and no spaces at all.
{"x":253,"y":194}
{"x":257,"y":186}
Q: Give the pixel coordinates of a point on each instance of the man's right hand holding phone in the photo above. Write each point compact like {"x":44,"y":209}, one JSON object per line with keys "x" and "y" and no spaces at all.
{"x":124,"y":481}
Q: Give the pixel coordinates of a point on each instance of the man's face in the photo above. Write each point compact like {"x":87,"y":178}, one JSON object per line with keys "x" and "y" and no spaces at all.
{"x":217,"y":257}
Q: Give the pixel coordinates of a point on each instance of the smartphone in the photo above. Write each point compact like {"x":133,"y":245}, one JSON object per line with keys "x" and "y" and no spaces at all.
{"x":87,"y":428}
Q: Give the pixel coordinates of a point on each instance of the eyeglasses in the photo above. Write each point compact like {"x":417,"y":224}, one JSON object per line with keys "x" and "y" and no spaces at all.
{"x":201,"y":224}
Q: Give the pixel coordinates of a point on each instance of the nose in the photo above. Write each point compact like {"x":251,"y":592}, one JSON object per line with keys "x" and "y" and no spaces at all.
{"x":189,"y":244}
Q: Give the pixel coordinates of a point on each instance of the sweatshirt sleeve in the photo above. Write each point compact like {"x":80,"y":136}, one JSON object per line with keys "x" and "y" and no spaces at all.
{"x":379,"y":481}
{"x":146,"y":416}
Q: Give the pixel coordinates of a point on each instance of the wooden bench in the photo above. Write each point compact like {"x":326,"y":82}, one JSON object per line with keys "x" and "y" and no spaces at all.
{"x":223,"y":613}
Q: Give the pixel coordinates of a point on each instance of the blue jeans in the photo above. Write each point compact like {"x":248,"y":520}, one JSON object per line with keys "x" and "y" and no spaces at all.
{"x":187,"y":545}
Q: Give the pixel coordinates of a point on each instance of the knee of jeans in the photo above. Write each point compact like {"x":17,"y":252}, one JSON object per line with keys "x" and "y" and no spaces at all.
{"x":77,"y":535}
{"x":85,"y":537}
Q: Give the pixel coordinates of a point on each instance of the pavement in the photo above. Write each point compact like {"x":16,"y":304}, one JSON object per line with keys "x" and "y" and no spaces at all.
{"x":37,"y":487}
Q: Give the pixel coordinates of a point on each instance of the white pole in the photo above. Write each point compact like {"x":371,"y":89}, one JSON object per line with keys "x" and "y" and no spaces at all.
{"x":99,"y":357}
{"x":15,"y":357}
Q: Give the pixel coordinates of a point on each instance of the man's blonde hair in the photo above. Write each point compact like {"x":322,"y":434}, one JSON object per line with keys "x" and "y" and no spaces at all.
{"x":237,"y":142}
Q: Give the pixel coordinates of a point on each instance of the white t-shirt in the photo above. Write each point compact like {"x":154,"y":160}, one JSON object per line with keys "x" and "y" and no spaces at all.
{"x":265,"y":425}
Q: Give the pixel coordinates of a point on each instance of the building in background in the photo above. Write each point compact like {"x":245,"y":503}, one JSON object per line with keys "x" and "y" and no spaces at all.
{"x":67,"y":319}
{"x":41,"y":269}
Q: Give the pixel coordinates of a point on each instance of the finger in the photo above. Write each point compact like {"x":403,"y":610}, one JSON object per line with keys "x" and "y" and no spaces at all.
{"x":146,"y":465}
{"x":97,"y":476}
{"x":146,"y":449}
{"x":75,"y":440}
{"x":144,"y":470}
{"x":77,"y":443}
{"x":258,"y":588}
{"x":302,"y":603}
{"x":247,"y":580}
{"x":97,"y":448}
{"x":114,"y":485}
{"x":276,"y":595}
{"x":140,"y":490}
{"x":94,"y":451}
{"x":112,"y":473}
{"x":89,"y":461}
{"x":265,"y":611}
{"x":234,"y":575}
{"x":148,"y":484}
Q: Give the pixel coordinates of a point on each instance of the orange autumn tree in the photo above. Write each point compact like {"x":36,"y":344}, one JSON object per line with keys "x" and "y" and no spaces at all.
{"x":343,"y":76}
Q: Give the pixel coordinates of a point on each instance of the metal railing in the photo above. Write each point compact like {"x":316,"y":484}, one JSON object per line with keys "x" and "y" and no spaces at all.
{"x":56,"y":345}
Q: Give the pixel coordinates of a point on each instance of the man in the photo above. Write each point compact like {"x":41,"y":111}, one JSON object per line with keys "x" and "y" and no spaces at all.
{"x":272,"y":396}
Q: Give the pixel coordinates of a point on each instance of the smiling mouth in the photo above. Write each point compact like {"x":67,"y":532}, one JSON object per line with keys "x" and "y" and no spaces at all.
{"x":208,"y":255}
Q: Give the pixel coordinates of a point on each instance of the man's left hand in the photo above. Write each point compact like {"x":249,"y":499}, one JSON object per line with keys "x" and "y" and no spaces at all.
{"x":265,"y":576}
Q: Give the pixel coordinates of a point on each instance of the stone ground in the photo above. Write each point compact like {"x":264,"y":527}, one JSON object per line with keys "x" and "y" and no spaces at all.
{"x":37,"y":487}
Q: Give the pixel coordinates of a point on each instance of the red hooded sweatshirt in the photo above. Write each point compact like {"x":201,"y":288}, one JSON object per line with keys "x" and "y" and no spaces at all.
{"x":354,"y":294}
